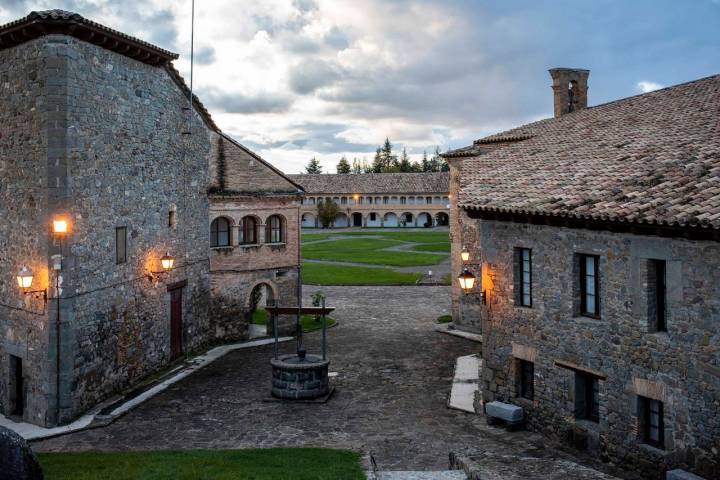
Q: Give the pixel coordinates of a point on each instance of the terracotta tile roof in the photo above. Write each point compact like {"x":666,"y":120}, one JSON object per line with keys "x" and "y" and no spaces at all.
{"x":374,"y":183}
{"x":648,"y":159}
{"x":48,"y":22}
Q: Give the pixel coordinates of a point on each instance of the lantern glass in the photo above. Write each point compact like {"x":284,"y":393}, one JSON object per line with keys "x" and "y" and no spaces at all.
{"x":167,"y":262}
{"x":467,"y":280}
{"x":25,"y":278}
{"x":465,"y":255}
{"x":60,"y":226}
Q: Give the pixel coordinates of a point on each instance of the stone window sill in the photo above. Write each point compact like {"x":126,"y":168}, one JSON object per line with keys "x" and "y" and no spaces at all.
{"x":655,"y":451}
{"x":249,"y":245}
{"x":275,"y":244}
{"x":225,"y":248}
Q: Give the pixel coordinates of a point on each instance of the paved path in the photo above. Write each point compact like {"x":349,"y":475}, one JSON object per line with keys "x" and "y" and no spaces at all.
{"x":394,"y":376}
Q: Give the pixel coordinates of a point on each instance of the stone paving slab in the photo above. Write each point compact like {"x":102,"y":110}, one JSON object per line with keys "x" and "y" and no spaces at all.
{"x":465,"y":383}
{"x":414,"y":475}
{"x":394,"y":376}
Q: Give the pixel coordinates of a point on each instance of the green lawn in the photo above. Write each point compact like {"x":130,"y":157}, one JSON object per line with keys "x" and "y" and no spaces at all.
{"x":444,"y":319}
{"x":259,"y":317}
{"x":311,"y":237}
{"x":419,"y":235}
{"x":432,"y":247}
{"x":368,"y":250}
{"x":324,"y":274}
{"x":250,"y":464}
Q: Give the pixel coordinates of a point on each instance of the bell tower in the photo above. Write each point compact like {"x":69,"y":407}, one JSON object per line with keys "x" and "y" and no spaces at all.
{"x":569,"y":89}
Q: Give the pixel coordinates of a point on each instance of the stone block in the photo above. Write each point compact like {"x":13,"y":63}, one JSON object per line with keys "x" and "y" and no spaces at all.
{"x":17,"y":460}
{"x":504,"y":411}
{"x":679,"y":474}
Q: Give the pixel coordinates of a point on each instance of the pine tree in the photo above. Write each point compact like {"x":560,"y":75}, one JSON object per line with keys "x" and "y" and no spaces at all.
{"x":405,"y":165}
{"x":425,"y":163}
{"x":378,"y":162}
{"x":357,"y":166}
{"x":313,"y":167}
{"x":343,"y":165}
{"x":436,"y":161}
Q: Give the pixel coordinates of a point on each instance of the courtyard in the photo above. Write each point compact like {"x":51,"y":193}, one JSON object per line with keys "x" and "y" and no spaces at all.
{"x":394,"y":374}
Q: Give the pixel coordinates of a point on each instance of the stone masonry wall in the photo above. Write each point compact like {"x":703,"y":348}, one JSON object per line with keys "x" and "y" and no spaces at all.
{"x":130,"y":166}
{"x":26,"y":96}
{"x":680,"y":367}
{"x":237,"y":269}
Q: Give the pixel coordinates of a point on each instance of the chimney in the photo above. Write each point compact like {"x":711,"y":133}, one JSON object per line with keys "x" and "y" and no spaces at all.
{"x":569,"y":89}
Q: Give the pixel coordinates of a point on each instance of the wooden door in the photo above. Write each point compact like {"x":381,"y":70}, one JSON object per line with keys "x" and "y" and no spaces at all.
{"x":176,"y":323}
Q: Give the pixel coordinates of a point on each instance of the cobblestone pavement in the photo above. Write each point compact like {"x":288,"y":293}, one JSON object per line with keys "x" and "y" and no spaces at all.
{"x":394,"y":377}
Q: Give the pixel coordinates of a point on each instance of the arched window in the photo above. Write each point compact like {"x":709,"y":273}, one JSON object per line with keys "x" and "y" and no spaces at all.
{"x":220,"y":232}
{"x":274,"y":231}
{"x":249,"y":231}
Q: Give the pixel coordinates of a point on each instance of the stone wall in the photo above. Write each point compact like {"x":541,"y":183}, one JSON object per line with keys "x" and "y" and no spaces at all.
{"x":237,"y":269}
{"x":680,"y":367}
{"x":26,"y":96}
{"x":115,"y":157}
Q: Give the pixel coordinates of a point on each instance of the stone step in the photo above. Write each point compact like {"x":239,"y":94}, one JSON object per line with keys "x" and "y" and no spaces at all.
{"x":422,"y":475}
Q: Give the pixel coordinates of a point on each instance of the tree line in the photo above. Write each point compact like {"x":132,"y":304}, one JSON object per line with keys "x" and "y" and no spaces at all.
{"x":385,"y":161}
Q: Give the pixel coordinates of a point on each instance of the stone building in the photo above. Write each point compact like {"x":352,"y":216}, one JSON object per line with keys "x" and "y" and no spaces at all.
{"x":378,"y":199}
{"x":96,"y":132}
{"x":254,"y":236}
{"x":594,"y":236}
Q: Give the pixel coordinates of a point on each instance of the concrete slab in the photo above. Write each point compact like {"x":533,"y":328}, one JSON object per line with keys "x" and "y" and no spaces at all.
{"x":450,"y":329}
{"x":465,"y":383}
{"x":420,"y":475}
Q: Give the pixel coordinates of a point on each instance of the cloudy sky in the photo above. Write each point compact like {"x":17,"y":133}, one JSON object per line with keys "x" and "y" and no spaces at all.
{"x":293,"y":79}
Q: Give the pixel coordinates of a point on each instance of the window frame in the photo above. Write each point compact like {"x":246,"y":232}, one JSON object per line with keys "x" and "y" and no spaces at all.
{"x":215,"y":232}
{"x":590,"y":394}
{"x":524,"y":288}
{"x":646,"y":414}
{"x":121,"y":259}
{"x":657,"y":297}
{"x":526,"y":379}
{"x":271,"y":230}
{"x":583,"y":285}
{"x":245,"y":230}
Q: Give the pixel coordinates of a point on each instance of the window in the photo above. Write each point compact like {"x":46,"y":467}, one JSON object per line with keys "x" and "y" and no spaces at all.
{"x":589,"y":286}
{"x":343,"y":201}
{"x":386,"y":200}
{"x":120,"y":245}
{"x":274,"y":230}
{"x":171,"y":219}
{"x":249,"y":231}
{"x":587,"y":401}
{"x":428,"y":200}
{"x":651,"y":419}
{"x":408,"y":218}
{"x":656,"y":290}
{"x":369,"y":200}
{"x":403,"y":200}
{"x":373,"y":216}
{"x":526,"y":379}
{"x":220,"y":233}
{"x":523,"y":279}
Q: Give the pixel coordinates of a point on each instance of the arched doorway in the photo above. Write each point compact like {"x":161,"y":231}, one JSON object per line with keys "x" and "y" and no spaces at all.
{"x":442,"y":219}
{"x":342,"y":221}
{"x":357,"y":219}
{"x":261,"y":295}
{"x":424,"y":220}
{"x":407,"y":220}
{"x":390,"y":220}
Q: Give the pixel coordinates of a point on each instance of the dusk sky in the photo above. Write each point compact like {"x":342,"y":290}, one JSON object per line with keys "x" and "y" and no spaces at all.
{"x":304,"y":78}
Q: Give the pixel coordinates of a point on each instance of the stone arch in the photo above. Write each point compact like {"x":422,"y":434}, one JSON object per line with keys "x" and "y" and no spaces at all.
{"x":407,"y":219}
{"x":271,"y":292}
{"x":249,"y":233}
{"x":424,"y":218}
{"x":272,"y":229}
{"x":442,"y":219}
{"x":390,"y":219}
{"x":341,"y":221}
{"x":373,"y":220}
{"x":217,"y":232}
{"x":308,"y":220}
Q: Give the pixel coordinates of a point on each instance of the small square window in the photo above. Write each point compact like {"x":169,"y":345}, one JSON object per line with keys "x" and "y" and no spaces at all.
{"x":120,"y":245}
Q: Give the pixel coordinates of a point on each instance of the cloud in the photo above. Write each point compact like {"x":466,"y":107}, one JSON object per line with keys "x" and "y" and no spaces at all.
{"x":230,"y":102}
{"x":205,"y":55}
{"x":309,"y":76}
{"x":645,"y":86}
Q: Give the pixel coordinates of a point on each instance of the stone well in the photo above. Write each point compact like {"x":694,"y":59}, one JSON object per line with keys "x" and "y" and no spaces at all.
{"x":299,"y":378}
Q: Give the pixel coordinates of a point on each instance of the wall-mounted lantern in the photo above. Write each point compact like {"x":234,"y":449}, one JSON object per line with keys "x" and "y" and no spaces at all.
{"x":60,"y":226}
{"x":467,"y":282}
{"x":465,"y":255}
{"x":167,"y":262}
{"x":25,"y":279}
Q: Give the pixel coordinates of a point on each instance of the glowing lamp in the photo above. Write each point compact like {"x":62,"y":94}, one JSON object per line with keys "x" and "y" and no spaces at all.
{"x":465,"y":255}
{"x":467,"y":280}
{"x":25,"y":278}
{"x":60,"y":226}
{"x":167,"y":262}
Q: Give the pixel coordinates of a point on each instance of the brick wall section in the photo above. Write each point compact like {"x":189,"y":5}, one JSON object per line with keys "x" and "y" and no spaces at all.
{"x":679,"y":367}
{"x":24,"y":98}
